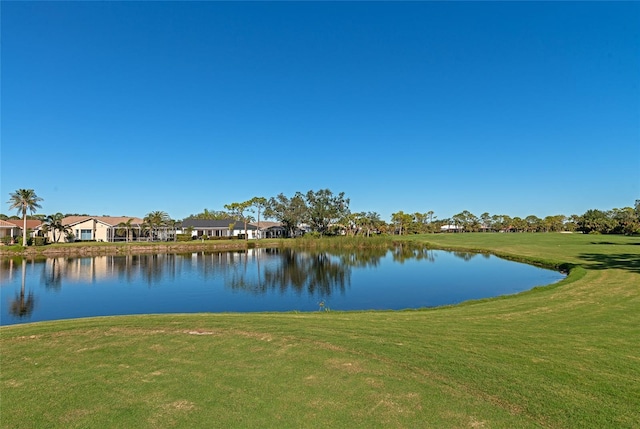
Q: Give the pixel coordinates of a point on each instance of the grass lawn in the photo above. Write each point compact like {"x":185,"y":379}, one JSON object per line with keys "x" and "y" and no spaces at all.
{"x":563,"y":356}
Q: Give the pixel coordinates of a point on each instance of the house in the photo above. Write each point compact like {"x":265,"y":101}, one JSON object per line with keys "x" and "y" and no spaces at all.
{"x":13,"y":227}
{"x":218,"y":228}
{"x":267,"y":229}
{"x":8,"y":231}
{"x":100,"y":228}
{"x":451,"y":228}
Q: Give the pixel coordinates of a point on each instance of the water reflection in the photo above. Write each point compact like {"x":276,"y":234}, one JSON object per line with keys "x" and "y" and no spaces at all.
{"x":317,"y":274}
{"x":23,"y":304}
{"x":408,"y":251}
{"x":276,"y":279}
{"x":152,"y":268}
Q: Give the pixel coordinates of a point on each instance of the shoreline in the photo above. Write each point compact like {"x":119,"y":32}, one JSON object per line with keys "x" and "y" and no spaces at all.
{"x":127,"y":249}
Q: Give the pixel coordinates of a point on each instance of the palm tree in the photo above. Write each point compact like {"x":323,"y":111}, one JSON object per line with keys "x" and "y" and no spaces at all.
{"x":125,"y":226}
{"x":54,"y":223}
{"x":24,"y":200}
{"x":259,"y":203}
{"x":156,"y":219}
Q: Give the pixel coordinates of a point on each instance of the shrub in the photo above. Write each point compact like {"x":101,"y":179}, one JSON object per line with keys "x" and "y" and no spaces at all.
{"x":183,"y":237}
{"x":19,"y":241}
{"x":39,"y":241}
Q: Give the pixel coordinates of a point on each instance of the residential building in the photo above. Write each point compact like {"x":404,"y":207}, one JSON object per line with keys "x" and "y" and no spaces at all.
{"x":218,"y":228}
{"x":101,"y":228}
{"x":268,"y":229}
{"x":13,"y":227}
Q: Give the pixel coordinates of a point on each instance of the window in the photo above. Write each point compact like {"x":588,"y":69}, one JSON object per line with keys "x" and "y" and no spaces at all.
{"x":85,"y":234}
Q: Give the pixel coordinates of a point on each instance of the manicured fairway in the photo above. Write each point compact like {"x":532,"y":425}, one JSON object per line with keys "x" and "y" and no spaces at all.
{"x":563,"y":356}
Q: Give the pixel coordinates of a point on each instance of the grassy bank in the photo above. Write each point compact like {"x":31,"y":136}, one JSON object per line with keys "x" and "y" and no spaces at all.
{"x":104,"y":248}
{"x":564,"y":356}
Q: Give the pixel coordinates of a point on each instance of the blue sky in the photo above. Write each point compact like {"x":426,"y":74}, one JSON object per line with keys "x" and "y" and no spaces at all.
{"x":517,"y":108}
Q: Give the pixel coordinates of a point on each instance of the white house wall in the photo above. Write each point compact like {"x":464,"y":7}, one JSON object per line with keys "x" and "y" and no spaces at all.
{"x":218,"y":232}
{"x":93,"y":230}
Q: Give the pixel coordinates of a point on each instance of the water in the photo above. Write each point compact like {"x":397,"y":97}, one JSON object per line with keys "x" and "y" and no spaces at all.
{"x":256,"y":280}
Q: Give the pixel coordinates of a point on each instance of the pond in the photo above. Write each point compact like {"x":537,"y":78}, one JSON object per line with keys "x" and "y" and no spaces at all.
{"x":254,"y":280}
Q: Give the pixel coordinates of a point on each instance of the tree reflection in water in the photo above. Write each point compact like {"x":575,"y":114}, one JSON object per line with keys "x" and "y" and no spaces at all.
{"x":256,"y":279}
{"x":407,"y":251}
{"x":317,"y":273}
{"x":23,"y":304}
{"x":52,"y":274}
{"x":257,"y":271}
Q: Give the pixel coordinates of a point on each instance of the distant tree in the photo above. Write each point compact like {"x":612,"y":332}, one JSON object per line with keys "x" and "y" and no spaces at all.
{"x":471,"y":221}
{"x":238,"y":210}
{"x":372,"y":222}
{"x":210,"y":215}
{"x":155,"y":220}
{"x":533,"y":223}
{"x":485,"y":218}
{"x":554,"y":223}
{"x":572,"y":223}
{"x":383,"y":227}
{"x":351,"y":223}
{"x":420,"y":223}
{"x":593,"y":221}
{"x":24,"y":200}
{"x":54,"y":224}
{"x":258,"y":204}
{"x":290,"y":211}
{"x":518,"y":224}
{"x":497,"y":223}
{"x":127,"y":228}
{"x":459,"y":220}
{"x":466,"y":221}
{"x":324,"y":209}
{"x":175,"y":224}
{"x":625,"y":221}
{"x":401,"y":222}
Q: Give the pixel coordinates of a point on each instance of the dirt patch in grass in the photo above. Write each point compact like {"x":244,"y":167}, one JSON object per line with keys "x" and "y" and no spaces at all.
{"x":329,"y":346}
{"x":389,"y":408}
{"x":74,"y":415}
{"x":168,"y":413}
{"x":349,"y":367}
{"x":180,"y":405}
{"x":13,"y":383}
{"x":255,"y":335}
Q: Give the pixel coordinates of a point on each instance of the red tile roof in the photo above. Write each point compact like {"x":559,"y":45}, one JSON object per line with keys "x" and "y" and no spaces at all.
{"x":31,"y":223}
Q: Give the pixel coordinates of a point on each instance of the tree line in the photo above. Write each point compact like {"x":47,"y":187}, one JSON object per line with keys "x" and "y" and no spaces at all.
{"x":616,"y":221}
{"x":326,"y":213}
